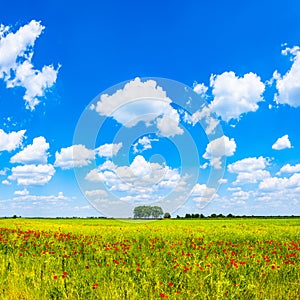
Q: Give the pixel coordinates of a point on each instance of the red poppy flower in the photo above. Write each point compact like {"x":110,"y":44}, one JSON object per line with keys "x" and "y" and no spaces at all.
{"x":163,"y":296}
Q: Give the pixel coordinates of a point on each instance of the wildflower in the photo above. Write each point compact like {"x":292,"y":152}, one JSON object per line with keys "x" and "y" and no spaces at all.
{"x":55,"y":277}
{"x":171,"y":284}
{"x":95,"y":285}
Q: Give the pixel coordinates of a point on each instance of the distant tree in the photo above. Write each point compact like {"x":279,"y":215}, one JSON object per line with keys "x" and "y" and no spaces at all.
{"x":167,"y":215}
{"x":156,"y":211}
{"x":213,"y":215}
{"x":147,"y":212}
{"x":188,"y":216}
{"x":138,"y":212}
{"x":230,"y":216}
{"x":202,"y":216}
{"x":177,"y":217}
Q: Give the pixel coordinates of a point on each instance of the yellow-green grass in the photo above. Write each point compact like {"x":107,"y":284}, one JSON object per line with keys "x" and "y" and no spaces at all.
{"x":174,"y":259}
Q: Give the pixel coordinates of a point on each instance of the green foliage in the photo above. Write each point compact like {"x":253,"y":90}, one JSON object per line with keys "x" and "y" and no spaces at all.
{"x":167,"y":215}
{"x":144,"y":211}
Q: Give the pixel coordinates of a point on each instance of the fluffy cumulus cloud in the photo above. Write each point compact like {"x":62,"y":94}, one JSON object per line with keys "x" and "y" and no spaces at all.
{"x":282,"y":143}
{"x":140,"y":167}
{"x":168,"y":124}
{"x":143,"y":144}
{"x":32,"y":174}
{"x":108,"y":150}
{"x":202,"y":191}
{"x":204,"y":115}
{"x":16,"y":68}
{"x":249,"y":170}
{"x":140,"y":180}
{"x":11,"y":141}
{"x":279,"y":184}
{"x":234,"y":96}
{"x":218,"y":148}
{"x":288,"y":85}
{"x":36,"y":153}
{"x":289,"y":169}
{"x":73,"y":156}
{"x":141,"y":102}
{"x":200,"y":89}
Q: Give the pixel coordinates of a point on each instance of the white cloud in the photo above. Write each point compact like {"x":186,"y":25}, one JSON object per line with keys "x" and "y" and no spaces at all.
{"x":36,"y":153}
{"x":240,"y":195}
{"x":249,"y":164}
{"x":200,"y":88}
{"x":143,"y":144}
{"x":288,"y":85}
{"x":140,"y":102}
{"x":212,"y":123}
{"x":32,"y":174}
{"x":279,"y":184}
{"x":3,"y":172}
{"x":202,"y":190}
{"x":96,"y":193}
{"x":108,"y":150}
{"x":218,"y":148}
{"x":73,"y":156}
{"x":204,"y":166}
{"x":140,"y":167}
{"x":234,"y":96}
{"x":202,"y":194}
{"x":16,"y":68}
{"x":138,"y":180}
{"x":282,"y":143}
{"x":11,"y":141}
{"x":6,"y":182}
{"x":204,"y":114}
{"x":222,"y":180}
{"x":41,"y":198}
{"x":251,"y":177}
{"x":22,"y":192}
{"x":168,"y":126}
{"x":289,"y":169}
{"x":250,"y":170}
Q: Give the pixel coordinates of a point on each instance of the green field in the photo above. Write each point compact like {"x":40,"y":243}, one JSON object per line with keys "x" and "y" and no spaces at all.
{"x":174,"y":259}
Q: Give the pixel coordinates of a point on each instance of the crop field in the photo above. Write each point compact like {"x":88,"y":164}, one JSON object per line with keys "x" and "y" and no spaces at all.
{"x":167,"y":259}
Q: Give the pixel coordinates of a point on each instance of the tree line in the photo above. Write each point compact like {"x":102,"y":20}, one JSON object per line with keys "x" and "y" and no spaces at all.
{"x":149,"y":212}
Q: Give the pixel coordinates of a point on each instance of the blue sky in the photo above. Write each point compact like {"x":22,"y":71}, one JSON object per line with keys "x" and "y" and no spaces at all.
{"x":229,"y":104}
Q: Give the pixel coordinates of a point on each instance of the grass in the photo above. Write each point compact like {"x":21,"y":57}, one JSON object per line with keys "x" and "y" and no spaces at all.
{"x":174,"y":259}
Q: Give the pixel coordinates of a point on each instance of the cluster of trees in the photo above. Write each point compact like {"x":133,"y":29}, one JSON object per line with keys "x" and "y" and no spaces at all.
{"x":221,"y":216}
{"x":201,"y":216}
{"x":147,"y":212}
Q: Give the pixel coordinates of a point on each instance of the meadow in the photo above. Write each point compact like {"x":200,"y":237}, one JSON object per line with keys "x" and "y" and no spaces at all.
{"x":166,"y":259}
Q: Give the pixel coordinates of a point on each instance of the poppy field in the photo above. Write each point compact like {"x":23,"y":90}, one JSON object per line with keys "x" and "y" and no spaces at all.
{"x":166,"y":259}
